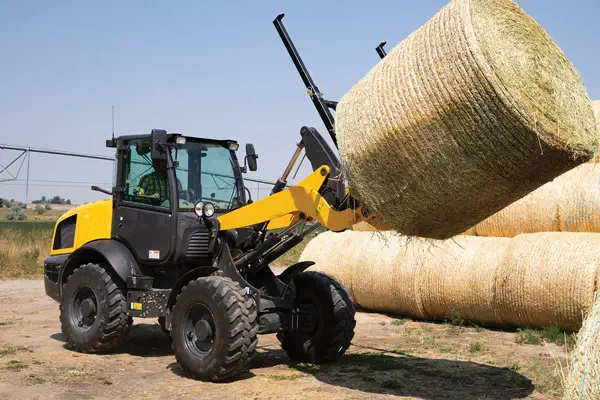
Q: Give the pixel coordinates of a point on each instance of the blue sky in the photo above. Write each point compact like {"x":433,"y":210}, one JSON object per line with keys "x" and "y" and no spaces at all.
{"x":212,"y":69}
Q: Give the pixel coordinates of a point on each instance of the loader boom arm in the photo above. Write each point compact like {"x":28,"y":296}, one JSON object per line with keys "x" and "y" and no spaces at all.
{"x":303,"y":201}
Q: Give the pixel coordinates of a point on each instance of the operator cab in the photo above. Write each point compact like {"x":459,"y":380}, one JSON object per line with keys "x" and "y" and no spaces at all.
{"x":166,"y":188}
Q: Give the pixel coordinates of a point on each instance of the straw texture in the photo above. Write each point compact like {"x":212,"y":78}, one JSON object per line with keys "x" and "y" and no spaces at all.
{"x":570,"y":203}
{"x":596,"y":108}
{"x":583,"y":381}
{"x":532,"y":280}
{"x":549,"y":278}
{"x":334,"y":263}
{"x":458,"y":276}
{"x":471,"y":112}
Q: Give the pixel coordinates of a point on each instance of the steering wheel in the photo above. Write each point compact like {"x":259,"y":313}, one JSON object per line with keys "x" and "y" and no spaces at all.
{"x":187,"y":194}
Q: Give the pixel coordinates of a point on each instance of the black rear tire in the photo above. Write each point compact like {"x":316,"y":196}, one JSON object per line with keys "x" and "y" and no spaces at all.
{"x":214,"y":329}
{"x":332,"y":328}
{"x":93,"y":310}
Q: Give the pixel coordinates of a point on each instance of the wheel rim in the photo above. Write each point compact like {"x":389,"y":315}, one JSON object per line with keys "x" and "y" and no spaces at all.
{"x":310,"y":320}
{"x":84,"y":308}
{"x":199,"y":330}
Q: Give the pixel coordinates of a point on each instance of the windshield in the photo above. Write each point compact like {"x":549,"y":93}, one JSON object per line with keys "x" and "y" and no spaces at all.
{"x":207,"y":172}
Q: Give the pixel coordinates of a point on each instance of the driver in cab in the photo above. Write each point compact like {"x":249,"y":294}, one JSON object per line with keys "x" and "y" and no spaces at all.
{"x":155,"y":185}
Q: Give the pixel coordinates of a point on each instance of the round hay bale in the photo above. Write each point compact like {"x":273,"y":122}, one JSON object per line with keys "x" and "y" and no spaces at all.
{"x":536,"y":212}
{"x":384,"y":274}
{"x":334,"y":263}
{"x":458,"y":276}
{"x":579,"y":201}
{"x":549,"y":278}
{"x":570,"y":203}
{"x":596,"y":108}
{"x":583,"y":381}
{"x":471,"y":112}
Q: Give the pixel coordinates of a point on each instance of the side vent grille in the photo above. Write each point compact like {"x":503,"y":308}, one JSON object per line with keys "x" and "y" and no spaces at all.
{"x":198,"y":246}
{"x":64,"y":237}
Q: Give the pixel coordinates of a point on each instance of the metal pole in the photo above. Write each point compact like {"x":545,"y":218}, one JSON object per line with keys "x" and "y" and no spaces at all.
{"x":27,"y":184}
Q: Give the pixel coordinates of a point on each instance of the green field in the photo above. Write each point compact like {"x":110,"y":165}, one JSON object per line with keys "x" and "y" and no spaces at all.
{"x":32,"y":215}
{"x":23,"y":247}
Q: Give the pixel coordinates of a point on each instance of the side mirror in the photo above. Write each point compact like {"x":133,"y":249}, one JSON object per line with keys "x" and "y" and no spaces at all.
{"x":158,"y":136}
{"x":251,"y":157}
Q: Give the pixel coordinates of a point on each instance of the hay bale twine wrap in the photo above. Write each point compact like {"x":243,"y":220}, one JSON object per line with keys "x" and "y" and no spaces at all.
{"x":384,"y":277}
{"x":583,"y":381}
{"x":570,"y":203}
{"x":458,"y":276}
{"x":472,"y":111}
{"x":548,"y":279}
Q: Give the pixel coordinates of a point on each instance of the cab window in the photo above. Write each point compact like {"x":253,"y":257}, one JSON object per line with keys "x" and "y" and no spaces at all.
{"x":145,"y":181}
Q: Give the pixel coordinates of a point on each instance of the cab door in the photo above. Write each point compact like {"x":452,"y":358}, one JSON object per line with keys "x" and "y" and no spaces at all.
{"x":144,"y":224}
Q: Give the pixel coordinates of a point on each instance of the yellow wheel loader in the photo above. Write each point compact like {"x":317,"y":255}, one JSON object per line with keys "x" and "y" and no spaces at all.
{"x":182,"y":241}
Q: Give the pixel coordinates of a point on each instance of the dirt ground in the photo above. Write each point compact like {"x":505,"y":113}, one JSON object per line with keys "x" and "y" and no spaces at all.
{"x":389,"y":357}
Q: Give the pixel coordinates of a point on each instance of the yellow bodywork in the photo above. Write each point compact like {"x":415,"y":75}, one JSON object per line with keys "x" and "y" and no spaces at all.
{"x":280,"y":210}
{"x":94,"y":221}
{"x":284,"y":208}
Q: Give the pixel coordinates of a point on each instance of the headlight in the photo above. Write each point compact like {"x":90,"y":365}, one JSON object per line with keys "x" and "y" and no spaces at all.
{"x":208,"y":209}
{"x":198,"y":208}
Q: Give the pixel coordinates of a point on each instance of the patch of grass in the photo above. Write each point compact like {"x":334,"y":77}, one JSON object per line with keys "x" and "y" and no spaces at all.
{"x":445,"y":350}
{"x":282,"y":377}
{"x":476,"y":347}
{"x":10,"y":350}
{"x":6,"y":323}
{"x":16,"y":366}
{"x":398,"y":322}
{"x":555,"y":335}
{"x":35,"y":380}
{"x":528,"y":336}
{"x":23,"y":247}
{"x":429,"y":343}
{"x":454,"y":318}
{"x":551,"y":334}
{"x":549,"y":383}
{"x":454,"y":330}
{"x":427,"y":328}
{"x":369,"y":379}
{"x":516,"y":367}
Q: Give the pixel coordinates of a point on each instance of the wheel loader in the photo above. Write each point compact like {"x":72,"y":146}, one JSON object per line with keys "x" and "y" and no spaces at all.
{"x":181,"y":240}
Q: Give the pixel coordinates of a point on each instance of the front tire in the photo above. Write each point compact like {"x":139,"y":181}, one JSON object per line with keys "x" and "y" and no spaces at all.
{"x":93,"y":310}
{"x":214,"y":329}
{"x":332,"y":323}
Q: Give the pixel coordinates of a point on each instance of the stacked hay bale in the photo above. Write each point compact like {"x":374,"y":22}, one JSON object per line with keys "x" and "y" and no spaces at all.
{"x":583,"y":381}
{"x":548,"y":278}
{"x":531,"y":280}
{"x":471,"y":112}
{"x":570,"y":203}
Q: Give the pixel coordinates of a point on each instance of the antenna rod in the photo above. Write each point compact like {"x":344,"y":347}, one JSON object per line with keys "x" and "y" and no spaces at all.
{"x":113,"y":123}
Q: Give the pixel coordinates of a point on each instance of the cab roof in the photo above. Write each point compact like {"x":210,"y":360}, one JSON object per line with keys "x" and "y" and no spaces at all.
{"x":112,"y":143}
